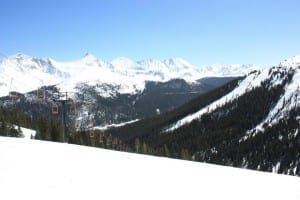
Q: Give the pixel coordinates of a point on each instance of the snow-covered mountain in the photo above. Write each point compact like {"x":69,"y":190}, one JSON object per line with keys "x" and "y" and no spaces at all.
{"x":253,"y":122}
{"x":24,"y":73}
{"x":290,"y":99}
{"x":35,"y":170}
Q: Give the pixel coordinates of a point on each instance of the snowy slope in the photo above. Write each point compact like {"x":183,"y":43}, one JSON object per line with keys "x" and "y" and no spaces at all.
{"x":102,"y":128}
{"x":289,"y":100}
{"x":44,"y":170}
{"x":23,"y":73}
{"x":291,"y":62}
{"x":28,"y":133}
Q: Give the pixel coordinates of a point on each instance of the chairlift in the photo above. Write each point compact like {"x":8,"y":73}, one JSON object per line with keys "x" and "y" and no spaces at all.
{"x":90,"y":124}
{"x":101,"y":138}
{"x":92,"y":134}
{"x":54,"y":109}
{"x":14,"y":95}
{"x":73,"y":108}
{"x":41,"y":93}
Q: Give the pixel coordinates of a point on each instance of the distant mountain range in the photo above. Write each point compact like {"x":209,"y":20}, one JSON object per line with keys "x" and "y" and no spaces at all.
{"x":24,"y":73}
{"x":111,"y":92}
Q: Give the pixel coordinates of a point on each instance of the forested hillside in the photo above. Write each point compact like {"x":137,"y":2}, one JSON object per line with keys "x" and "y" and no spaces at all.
{"x":251,"y":122}
{"x":11,"y":120}
{"x":154,"y":125}
{"x":255,"y":127}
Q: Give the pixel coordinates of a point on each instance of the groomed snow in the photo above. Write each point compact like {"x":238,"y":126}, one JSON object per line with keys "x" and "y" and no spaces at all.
{"x":38,"y":170}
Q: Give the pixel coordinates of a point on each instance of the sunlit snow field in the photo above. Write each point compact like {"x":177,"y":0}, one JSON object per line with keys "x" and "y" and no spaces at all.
{"x":31,"y":169}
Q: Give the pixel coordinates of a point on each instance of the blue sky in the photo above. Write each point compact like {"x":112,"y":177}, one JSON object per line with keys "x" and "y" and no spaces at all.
{"x":201,"y":31}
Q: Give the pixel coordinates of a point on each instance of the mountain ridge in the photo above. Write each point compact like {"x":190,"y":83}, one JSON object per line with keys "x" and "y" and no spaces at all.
{"x":250,"y":123}
{"x":129,"y":75}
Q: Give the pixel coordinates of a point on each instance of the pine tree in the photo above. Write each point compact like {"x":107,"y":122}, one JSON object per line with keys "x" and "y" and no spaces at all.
{"x":144,"y":148}
{"x":3,"y":128}
{"x":137,"y":145}
{"x":185,"y":154}
{"x":166,"y":150}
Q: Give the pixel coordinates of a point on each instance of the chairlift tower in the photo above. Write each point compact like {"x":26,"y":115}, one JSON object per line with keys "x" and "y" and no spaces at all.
{"x":63,"y":99}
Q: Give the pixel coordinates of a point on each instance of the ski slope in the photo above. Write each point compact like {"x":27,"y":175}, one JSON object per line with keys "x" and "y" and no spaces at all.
{"x":105,"y":127}
{"x":32,"y":169}
{"x":249,"y":83}
{"x":289,"y":100}
{"x":27,"y":133}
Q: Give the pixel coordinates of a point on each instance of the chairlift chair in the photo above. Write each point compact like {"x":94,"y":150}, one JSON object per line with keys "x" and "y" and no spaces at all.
{"x":90,"y":124}
{"x":101,"y":140}
{"x":54,"y":109}
{"x":13,"y":95}
{"x":41,"y":93}
{"x":92,"y":134}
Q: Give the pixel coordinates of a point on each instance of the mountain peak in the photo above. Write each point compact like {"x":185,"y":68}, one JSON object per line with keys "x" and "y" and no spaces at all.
{"x":89,"y":60}
{"x":19,"y":56}
{"x":89,"y":56}
{"x":177,"y":61}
